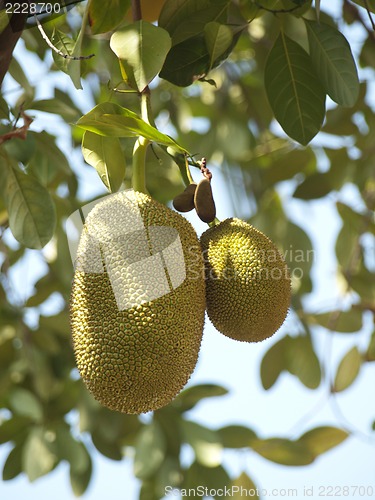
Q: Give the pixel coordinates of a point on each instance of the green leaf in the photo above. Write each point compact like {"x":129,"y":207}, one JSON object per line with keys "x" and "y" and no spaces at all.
{"x":13,"y":464}
{"x":109,"y":119}
{"x":347,"y":243}
{"x":360,"y":222}
{"x":236,"y":436}
{"x":303,"y":362}
{"x":4,"y":108}
{"x":365,"y":5}
{"x":66,"y":45}
{"x":339,"y":321}
{"x":370,"y":354}
{"x":150,"y":450}
{"x":283,"y":451}
{"x":10,"y":429}
{"x":142,"y":49}
{"x":186,"y":62}
{"x":71,"y":450}
{"x":333,"y":62}
{"x":56,"y":106}
{"x":273,"y":363}
{"x":106,"y":156}
{"x":37,"y":457}
{"x":24,"y":403}
{"x":218,"y":39}
{"x":105,"y":16}
{"x":294,"y":92}
{"x":32,"y":217}
{"x":81,"y":479}
{"x":189,"y":397}
{"x":347,"y":370}
{"x":215,"y":478}
{"x":16,"y":71}
{"x":322,"y":439}
{"x":109,"y":449}
{"x":314,"y":186}
{"x":243,"y":483}
{"x":181,"y":12}
{"x":205,"y":442}
{"x":21,"y":149}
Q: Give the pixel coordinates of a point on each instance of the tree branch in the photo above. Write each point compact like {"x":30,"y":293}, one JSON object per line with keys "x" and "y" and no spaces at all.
{"x":20,"y":132}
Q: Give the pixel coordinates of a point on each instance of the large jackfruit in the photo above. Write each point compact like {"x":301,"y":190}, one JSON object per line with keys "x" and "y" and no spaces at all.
{"x":247,"y":281}
{"x":137,"y":302}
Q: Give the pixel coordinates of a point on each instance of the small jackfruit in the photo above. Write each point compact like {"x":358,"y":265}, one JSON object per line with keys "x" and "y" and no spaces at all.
{"x":137,"y":302}
{"x":247,"y":281}
{"x":204,"y":201}
{"x":184,"y":202}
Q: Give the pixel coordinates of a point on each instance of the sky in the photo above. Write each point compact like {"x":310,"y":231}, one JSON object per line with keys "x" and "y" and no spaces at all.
{"x":286,"y":410}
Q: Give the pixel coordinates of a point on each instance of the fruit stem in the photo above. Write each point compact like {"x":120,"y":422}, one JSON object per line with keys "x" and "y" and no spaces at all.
{"x":140,"y":146}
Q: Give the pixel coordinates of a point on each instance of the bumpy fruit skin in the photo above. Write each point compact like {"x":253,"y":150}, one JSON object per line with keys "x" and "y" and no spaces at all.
{"x":247,"y":281}
{"x":138,"y":360}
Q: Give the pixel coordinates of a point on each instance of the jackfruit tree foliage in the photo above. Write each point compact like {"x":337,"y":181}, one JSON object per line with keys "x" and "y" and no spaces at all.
{"x":245,"y":84}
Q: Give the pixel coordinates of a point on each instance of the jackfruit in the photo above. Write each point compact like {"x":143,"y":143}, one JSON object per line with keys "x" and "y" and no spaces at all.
{"x":247,"y":281}
{"x":184,"y":202}
{"x":204,"y":201}
{"x":137,"y":302}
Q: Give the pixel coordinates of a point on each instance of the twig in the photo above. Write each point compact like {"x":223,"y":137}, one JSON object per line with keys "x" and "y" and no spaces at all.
{"x":136,"y":10}
{"x":369,"y":14}
{"x":277,"y":11}
{"x":20,"y":132}
{"x":50,"y":44}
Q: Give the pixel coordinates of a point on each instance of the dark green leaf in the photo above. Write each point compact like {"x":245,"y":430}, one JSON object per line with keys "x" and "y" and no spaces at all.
{"x":189,"y":397}
{"x":149,"y":451}
{"x":13,"y":463}
{"x":314,"y":186}
{"x":105,"y":16}
{"x":176,"y":13}
{"x":236,"y":436}
{"x":333,"y":62}
{"x":37,"y":458}
{"x":218,"y":39}
{"x":347,"y":370}
{"x":10,"y":429}
{"x":340,"y":321}
{"x":142,"y":49}
{"x":294,"y":92}
{"x":31,"y":211}
{"x":322,"y":439}
{"x":283,"y":451}
{"x":106,"y":156}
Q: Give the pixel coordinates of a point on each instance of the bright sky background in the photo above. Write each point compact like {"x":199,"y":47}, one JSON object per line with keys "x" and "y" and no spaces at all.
{"x":287,"y":410}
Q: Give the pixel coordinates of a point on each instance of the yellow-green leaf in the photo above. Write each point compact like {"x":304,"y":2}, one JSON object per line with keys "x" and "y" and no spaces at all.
{"x":106,"y":156}
{"x":322,"y":439}
{"x":142,"y":49}
{"x":347,"y":370}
